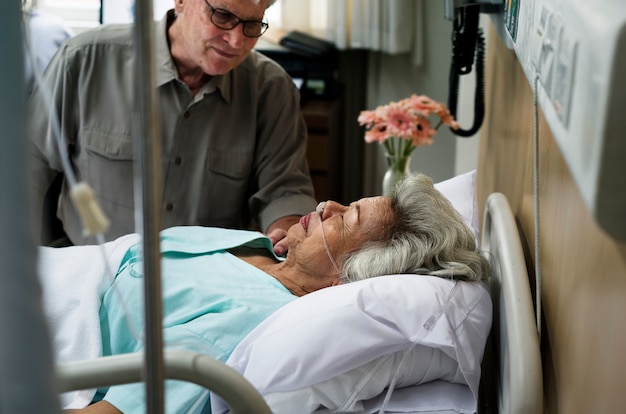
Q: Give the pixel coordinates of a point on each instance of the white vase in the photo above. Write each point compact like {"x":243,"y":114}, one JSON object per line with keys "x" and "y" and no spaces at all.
{"x":397,"y":169}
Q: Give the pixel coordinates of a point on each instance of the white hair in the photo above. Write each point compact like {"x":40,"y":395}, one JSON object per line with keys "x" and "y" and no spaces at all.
{"x":428,"y":236}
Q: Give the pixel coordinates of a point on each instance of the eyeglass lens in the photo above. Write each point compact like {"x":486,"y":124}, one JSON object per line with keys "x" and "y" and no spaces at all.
{"x":227,"y":21}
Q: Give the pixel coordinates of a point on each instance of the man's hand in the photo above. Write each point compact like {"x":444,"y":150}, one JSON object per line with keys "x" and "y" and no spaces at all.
{"x":277,"y":233}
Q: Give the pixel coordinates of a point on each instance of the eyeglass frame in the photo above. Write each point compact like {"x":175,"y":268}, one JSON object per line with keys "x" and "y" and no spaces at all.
{"x":264,"y":25}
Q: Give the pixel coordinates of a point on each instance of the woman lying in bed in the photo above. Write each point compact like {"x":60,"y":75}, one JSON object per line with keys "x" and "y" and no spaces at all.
{"x":219,"y":284}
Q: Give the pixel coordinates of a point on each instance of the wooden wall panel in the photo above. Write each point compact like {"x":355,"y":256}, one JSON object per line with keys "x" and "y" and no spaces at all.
{"x":583,"y":270}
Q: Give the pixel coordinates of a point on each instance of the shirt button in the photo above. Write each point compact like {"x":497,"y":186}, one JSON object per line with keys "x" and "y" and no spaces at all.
{"x":186,"y":114}
{"x":169,"y":207}
{"x":178,"y":161}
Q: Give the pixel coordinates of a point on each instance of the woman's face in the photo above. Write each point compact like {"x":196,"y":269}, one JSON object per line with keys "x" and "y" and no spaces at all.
{"x":345,"y":228}
{"x":202,"y":45}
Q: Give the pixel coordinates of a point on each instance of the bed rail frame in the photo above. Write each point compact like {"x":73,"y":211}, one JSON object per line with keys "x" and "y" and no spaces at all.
{"x":183,"y":365}
{"x":511,"y":380}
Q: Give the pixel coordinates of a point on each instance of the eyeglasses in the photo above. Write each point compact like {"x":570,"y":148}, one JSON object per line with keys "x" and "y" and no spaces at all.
{"x":225,"y":20}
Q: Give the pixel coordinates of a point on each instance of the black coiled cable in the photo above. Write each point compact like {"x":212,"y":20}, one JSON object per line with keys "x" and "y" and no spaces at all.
{"x":466,"y":37}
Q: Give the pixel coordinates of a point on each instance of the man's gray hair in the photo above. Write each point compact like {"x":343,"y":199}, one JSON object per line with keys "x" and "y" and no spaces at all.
{"x":428,"y":236}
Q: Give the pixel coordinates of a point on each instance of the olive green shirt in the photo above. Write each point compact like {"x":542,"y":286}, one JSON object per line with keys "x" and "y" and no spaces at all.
{"x":233,"y":152}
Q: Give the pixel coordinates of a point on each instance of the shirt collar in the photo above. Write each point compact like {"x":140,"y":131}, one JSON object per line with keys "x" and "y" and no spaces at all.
{"x":166,"y":70}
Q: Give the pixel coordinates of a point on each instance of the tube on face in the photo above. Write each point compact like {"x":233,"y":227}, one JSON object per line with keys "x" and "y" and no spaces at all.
{"x":320,"y":210}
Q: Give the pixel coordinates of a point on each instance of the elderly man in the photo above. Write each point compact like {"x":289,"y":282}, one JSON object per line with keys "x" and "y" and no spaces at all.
{"x":234,"y":140}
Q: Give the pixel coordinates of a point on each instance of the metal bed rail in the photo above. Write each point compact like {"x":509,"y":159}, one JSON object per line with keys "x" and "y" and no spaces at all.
{"x":511,"y":380}
{"x":183,"y":365}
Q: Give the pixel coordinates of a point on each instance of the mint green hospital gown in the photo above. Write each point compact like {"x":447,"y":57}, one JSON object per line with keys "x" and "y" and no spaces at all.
{"x":211,"y":301}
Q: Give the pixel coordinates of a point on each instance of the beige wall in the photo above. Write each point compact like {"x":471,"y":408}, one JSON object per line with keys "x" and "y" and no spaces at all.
{"x":583,"y":271}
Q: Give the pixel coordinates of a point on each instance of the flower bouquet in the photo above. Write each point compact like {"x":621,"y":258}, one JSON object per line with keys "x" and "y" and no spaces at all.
{"x":401,"y":127}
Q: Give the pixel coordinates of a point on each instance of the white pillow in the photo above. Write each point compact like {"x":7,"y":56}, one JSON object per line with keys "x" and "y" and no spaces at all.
{"x":461,"y":192}
{"x":360,"y":387}
{"x":338,"y":347}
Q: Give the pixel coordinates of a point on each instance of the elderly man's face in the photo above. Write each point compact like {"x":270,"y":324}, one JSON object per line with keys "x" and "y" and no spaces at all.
{"x":207,"y":47}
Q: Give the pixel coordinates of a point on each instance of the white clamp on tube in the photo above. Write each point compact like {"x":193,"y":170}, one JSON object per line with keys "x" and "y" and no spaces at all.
{"x":93,"y":218}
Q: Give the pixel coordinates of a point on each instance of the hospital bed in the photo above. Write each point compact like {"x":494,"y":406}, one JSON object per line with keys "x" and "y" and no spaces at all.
{"x":426,"y":355}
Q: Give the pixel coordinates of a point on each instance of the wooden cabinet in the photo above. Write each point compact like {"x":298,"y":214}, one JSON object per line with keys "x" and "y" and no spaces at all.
{"x":322,"y":117}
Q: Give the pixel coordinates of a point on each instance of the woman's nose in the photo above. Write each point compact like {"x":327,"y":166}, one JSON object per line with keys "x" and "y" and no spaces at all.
{"x":331,"y":208}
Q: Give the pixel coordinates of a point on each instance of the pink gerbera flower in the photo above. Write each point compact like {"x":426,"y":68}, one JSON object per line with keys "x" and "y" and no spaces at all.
{"x":367,"y":118}
{"x":404,"y":125}
{"x":377,"y":134}
{"x":399,"y":122}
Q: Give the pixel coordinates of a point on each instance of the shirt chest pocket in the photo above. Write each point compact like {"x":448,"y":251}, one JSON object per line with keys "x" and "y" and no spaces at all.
{"x":106,"y":162}
{"x":235,"y":164}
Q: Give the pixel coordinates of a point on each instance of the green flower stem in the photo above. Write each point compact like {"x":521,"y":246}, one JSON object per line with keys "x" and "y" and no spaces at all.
{"x":389,"y":147}
{"x":408,"y":148}
{"x":398,"y":147}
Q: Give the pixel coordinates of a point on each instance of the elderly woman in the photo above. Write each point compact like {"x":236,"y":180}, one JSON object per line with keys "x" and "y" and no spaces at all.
{"x":219,"y":284}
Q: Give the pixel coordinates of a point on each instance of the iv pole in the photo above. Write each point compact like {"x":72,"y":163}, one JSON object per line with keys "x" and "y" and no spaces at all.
{"x":148,"y":145}
{"x":26,"y":367}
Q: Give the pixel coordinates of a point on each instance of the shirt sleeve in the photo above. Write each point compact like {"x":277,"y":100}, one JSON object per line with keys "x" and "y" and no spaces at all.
{"x":284,"y":182}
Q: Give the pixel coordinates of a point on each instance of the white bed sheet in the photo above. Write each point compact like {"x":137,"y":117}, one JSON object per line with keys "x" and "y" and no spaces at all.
{"x":73,"y":281}
{"x":432,"y":397}
{"x":439,"y":397}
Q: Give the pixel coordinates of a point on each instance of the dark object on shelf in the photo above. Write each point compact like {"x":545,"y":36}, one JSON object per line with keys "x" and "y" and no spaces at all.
{"x":308,"y":45}
{"x":312,"y":63}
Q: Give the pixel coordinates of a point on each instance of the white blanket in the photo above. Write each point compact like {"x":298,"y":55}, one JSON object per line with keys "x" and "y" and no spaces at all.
{"x":73,"y":281}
